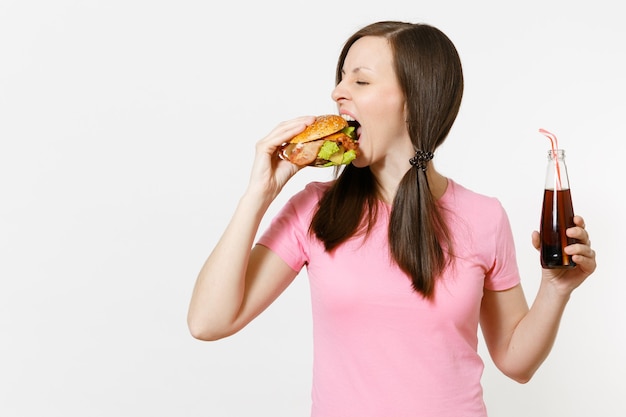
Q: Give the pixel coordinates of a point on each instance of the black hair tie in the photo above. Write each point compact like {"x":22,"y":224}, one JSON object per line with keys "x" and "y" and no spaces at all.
{"x":420,"y":159}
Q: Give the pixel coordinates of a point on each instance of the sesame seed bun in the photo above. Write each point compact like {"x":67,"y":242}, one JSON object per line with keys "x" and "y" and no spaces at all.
{"x":322,"y":126}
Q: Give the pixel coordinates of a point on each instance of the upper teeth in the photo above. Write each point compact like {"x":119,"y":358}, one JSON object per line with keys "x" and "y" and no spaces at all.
{"x":348,"y":118}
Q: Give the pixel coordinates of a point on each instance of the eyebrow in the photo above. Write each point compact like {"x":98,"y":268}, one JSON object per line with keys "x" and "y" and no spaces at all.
{"x":356,"y":70}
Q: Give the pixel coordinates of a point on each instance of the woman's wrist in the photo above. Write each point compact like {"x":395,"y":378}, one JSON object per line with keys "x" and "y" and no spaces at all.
{"x":555,"y":289}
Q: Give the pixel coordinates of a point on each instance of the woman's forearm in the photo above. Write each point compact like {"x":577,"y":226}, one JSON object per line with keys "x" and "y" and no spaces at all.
{"x":534,"y":336}
{"x":220,"y":286}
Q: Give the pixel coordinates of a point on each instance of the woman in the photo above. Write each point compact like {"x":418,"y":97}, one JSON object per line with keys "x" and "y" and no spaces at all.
{"x":403,"y":262}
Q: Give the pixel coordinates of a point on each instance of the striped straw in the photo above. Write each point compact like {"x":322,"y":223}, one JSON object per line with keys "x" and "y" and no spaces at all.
{"x":555,"y":145}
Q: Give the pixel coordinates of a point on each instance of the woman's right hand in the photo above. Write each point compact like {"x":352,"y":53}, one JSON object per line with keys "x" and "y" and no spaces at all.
{"x":270,"y":173}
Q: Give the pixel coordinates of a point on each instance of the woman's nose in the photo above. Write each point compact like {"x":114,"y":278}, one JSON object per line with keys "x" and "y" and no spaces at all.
{"x":338,"y":93}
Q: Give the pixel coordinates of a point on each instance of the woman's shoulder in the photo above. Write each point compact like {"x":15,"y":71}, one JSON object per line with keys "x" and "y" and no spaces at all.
{"x":485,"y":213}
{"x":318,"y":187}
{"x":310,"y":194}
{"x":461,"y":196}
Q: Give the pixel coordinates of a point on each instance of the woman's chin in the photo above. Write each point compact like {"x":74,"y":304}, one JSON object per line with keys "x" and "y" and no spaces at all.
{"x":360,"y":162}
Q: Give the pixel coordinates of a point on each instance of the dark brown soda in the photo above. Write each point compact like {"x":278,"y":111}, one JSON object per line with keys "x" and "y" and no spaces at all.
{"x":557,"y":215}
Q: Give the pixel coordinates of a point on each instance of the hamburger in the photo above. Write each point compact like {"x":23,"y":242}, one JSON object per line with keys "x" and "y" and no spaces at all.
{"x":328,"y":141}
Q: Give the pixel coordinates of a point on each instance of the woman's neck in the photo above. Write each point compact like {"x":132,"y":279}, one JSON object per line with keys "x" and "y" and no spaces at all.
{"x":388,"y":183}
{"x":438,"y":183}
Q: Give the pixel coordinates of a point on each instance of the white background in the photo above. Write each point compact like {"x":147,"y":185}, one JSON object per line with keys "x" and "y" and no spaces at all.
{"x":127,"y":129}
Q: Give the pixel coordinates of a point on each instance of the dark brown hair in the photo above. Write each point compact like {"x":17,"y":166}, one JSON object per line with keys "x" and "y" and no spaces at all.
{"x":429,"y":72}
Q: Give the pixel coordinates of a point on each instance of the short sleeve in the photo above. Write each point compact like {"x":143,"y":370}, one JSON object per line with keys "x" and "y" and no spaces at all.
{"x":288,"y":233}
{"x":504,"y":273}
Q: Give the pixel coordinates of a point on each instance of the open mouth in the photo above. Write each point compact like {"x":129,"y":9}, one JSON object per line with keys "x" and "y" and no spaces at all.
{"x":353,"y":123}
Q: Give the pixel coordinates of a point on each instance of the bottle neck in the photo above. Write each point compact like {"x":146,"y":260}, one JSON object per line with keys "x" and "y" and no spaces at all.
{"x":556,"y":155}
{"x":556,"y":174}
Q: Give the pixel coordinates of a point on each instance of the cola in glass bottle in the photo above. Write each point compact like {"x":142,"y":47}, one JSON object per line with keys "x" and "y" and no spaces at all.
{"x":557,"y":214}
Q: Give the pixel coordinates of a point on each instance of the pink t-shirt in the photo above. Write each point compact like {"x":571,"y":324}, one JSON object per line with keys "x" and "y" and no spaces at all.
{"x":380,"y":349}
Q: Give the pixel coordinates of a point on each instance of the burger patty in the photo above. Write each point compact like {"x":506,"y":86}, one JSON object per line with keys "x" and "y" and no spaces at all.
{"x":304,"y":153}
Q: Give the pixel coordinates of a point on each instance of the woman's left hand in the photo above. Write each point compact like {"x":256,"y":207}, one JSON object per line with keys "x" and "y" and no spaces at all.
{"x":567,"y":280}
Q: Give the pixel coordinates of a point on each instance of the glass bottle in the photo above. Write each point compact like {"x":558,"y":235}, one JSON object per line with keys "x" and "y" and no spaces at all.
{"x":557,"y":214}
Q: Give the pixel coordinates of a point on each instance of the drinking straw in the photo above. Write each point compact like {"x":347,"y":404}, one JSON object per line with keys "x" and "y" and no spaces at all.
{"x":555,"y":146}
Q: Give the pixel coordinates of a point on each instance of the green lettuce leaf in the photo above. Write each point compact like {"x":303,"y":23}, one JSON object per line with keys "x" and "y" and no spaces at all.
{"x":350,"y":131}
{"x":327,"y":149}
{"x":348,"y":156}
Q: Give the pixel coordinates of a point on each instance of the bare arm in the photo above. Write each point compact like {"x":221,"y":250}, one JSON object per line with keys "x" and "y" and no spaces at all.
{"x":519,"y":339}
{"x":236,"y":282}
